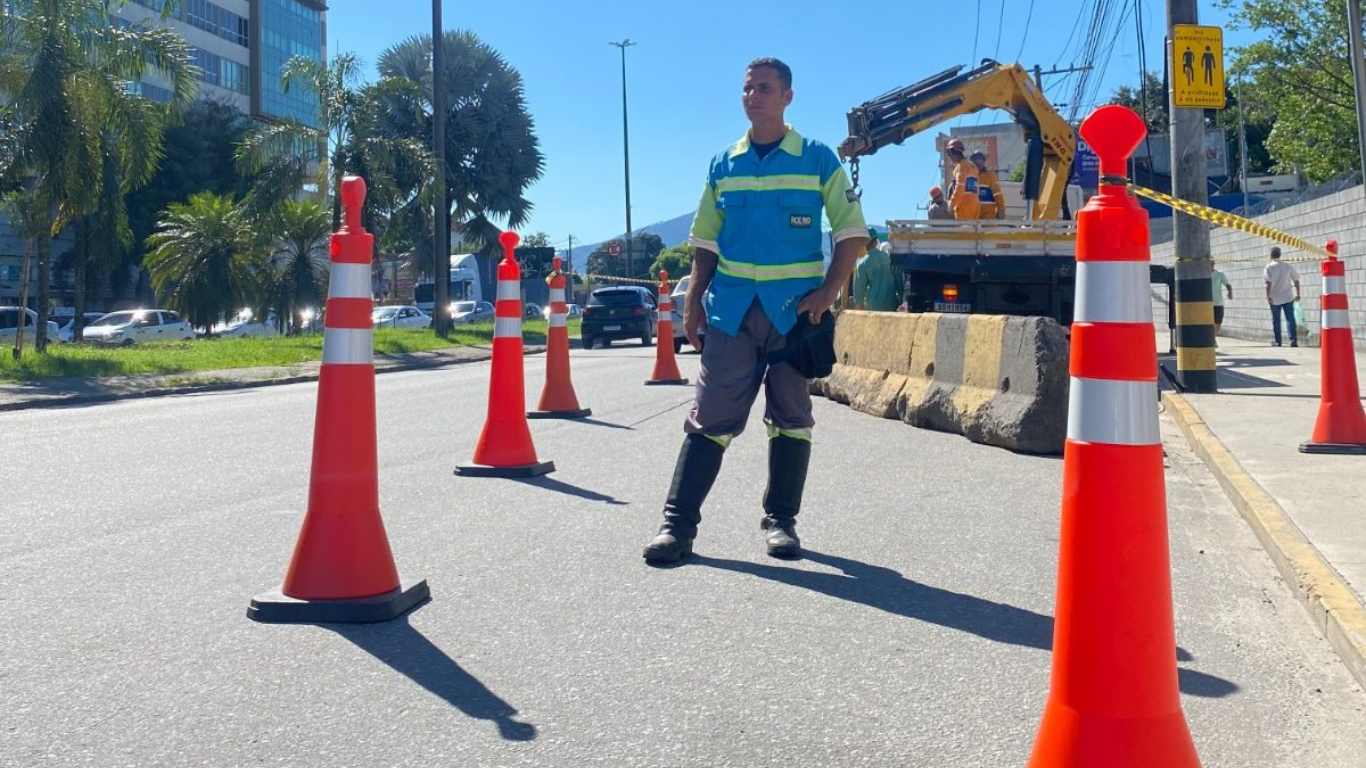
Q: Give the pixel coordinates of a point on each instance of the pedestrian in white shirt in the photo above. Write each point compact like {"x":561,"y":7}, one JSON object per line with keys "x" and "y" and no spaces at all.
{"x":1282,"y":291}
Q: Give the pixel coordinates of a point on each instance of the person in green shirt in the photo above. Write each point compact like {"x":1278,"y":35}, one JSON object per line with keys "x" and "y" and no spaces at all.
{"x":876,"y":286}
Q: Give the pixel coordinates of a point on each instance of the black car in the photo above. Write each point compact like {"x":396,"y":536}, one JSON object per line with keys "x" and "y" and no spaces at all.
{"x":625,"y":312}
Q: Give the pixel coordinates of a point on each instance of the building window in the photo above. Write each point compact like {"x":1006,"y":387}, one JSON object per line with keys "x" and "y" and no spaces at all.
{"x":288,"y":29}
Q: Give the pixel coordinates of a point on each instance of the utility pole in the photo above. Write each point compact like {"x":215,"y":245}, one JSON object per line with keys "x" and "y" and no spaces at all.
{"x":626,"y":154}
{"x":1194,"y":291}
{"x":1358,"y":75}
{"x":1242,"y":143}
{"x":441,"y":226}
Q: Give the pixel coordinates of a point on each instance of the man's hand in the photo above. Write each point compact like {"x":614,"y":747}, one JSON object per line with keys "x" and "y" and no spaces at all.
{"x":694,"y":319}
{"x":816,"y":303}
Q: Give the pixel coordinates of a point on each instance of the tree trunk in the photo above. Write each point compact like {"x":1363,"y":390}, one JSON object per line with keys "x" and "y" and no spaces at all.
{"x":44,"y":289}
{"x":23,"y":300}
{"x":82,"y":260}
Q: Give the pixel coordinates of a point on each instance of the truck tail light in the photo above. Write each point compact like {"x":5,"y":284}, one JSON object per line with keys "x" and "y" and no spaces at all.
{"x":950,"y":293}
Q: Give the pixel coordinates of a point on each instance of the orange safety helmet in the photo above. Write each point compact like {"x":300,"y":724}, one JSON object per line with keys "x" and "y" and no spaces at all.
{"x":955,"y":144}
{"x":936,"y":192}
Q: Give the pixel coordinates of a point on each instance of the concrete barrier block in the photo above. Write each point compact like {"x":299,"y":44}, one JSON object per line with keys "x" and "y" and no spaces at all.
{"x":997,"y":380}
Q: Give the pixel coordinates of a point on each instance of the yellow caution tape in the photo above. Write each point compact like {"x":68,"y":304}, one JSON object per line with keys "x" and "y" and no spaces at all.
{"x":615,"y":279}
{"x":1232,"y":221}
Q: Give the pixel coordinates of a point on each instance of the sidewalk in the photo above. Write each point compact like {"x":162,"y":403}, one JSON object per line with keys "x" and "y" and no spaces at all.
{"x":1309,"y":510}
{"x":57,"y":392}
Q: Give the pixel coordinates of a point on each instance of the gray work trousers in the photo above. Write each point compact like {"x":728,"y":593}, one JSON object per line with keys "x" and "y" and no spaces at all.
{"x":733,"y":367}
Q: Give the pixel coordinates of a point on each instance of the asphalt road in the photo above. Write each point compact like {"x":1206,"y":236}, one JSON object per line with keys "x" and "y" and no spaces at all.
{"x":915,"y":633}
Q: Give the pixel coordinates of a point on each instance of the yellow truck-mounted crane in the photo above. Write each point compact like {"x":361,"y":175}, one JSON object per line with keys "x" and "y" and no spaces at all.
{"x":982,"y":266}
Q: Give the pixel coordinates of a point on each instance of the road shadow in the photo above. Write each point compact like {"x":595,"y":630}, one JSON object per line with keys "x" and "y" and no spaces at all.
{"x":886,"y":590}
{"x":599,"y":423}
{"x":559,"y":486}
{"x":1227,"y":378}
{"x":407,"y":651}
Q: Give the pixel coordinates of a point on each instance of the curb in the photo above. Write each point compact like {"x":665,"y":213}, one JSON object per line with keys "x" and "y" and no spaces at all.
{"x":220,"y":386}
{"x":1337,"y":612}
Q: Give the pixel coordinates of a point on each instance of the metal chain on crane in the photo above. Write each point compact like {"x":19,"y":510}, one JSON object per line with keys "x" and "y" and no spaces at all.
{"x":853,"y":193}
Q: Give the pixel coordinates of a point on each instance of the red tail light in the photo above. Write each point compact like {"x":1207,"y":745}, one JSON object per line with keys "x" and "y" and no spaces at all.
{"x":587,"y":311}
{"x":950,"y":293}
{"x":638,"y":311}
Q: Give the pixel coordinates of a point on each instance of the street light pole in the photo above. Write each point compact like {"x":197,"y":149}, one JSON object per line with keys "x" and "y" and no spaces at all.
{"x":1358,"y":74}
{"x":441,"y":226}
{"x":626,"y":154}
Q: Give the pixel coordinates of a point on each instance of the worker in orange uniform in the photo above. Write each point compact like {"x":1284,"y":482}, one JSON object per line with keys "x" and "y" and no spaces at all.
{"x":990,"y":203}
{"x":963,"y":189}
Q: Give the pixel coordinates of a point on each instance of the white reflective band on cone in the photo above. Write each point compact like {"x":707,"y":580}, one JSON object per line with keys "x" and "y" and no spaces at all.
{"x":504,"y":327}
{"x":348,"y":346}
{"x":556,"y":294}
{"x":1112,"y":412}
{"x":509,"y":289}
{"x":1113,"y":292}
{"x":1334,"y":284}
{"x":1335,"y":318}
{"x":558,"y":321}
{"x":349,"y":281}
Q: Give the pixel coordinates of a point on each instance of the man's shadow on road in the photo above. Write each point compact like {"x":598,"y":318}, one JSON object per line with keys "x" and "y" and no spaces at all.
{"x":886,"y":590}
{"x":407,"y":651}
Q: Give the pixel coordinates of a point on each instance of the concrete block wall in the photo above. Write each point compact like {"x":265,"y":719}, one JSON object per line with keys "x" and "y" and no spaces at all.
{"x":1341,"y":217}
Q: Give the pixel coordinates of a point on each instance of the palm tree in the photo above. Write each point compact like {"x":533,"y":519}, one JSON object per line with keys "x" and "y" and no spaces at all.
{"x":67,"y":111}
{"x":300,"y":232}
{"x":492,"y":154}
{"x":205,"y":259}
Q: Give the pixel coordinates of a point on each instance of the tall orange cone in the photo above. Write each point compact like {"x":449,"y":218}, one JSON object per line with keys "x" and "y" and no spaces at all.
{"x":1341,"y":426}
{"x":666,"y":367}
{"x":558,"y":400}
{"x":505,"y":448}
{"x":342,"y":569}
{"x":1114,"y":700}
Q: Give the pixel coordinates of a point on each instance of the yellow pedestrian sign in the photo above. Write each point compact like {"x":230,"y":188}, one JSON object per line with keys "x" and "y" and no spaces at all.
{"x":1197,"y":66}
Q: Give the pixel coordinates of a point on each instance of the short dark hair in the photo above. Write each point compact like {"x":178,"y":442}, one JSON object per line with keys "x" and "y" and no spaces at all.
{"x":1275,"y":251}
{"x":783,"y":70}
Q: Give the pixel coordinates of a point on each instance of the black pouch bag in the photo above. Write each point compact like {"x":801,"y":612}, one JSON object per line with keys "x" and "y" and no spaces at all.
{"x":810,"y":347}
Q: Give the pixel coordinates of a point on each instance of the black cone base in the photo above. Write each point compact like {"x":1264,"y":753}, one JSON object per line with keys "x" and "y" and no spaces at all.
{"x":1347,"y":448}
{"x":276,"y":607}
{"x":579,"y":414}
{"x":653,"y":383}
{"x":520,"y":470}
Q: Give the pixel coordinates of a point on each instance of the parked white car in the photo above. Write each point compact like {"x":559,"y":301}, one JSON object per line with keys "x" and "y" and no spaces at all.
{"x":679,"y":297}
{"x":138,"y":326}
{"x":67,"y":328}
{"x":571,"y":311}
{"x":463,"y":312}
{"x":9,"y":327}
{"x":245,"y":325}
{"x":400,"y":316}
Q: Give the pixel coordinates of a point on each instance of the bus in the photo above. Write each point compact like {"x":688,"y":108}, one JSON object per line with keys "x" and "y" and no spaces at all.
{"x":464,"y":284}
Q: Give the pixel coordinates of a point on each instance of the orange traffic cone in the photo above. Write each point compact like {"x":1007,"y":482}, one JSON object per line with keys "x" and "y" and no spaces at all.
{"x":505,"y":448}
{"x":1114,"y":700}
{"x":1341,"y":426}
{"x":666,"y":367}
{"x":342,"y":569}
{"x":558,"y":400}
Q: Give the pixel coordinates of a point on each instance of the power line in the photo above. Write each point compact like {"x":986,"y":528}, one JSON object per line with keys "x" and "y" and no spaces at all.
{"x":1025,"y":36}
{"x":976,"y":31}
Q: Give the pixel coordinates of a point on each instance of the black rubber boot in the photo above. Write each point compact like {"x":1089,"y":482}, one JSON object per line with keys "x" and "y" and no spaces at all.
{"x":698,"y":462}
{"x":788,"y":458}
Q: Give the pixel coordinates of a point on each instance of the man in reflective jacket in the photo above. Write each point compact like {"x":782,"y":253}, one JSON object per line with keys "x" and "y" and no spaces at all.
{"x":757,"y":271}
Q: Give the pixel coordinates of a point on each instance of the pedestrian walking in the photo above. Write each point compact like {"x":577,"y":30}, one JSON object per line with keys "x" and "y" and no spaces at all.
{"x":1282,"y":291}
{"x":1221,"y":286}
{"x":758,"y":274}
{"x":876,"y":284}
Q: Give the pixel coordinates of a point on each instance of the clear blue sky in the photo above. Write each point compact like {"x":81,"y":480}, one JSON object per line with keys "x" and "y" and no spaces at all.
{"x":684,"y":80}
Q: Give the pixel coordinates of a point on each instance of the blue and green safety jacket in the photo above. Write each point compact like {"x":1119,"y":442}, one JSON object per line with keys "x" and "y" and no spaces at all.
{"x":762,"y":217}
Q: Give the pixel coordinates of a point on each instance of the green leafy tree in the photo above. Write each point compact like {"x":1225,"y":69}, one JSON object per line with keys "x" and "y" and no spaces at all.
{"x":65,"y":111}
{"x":1299,"y":74}
{"x":1150,"y":102}
{"x":206,"y":259}
{"x":492,"y":153}
{"x":677,"y":261}
{"x":536,"y":240}
{"x":299,"y":231}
